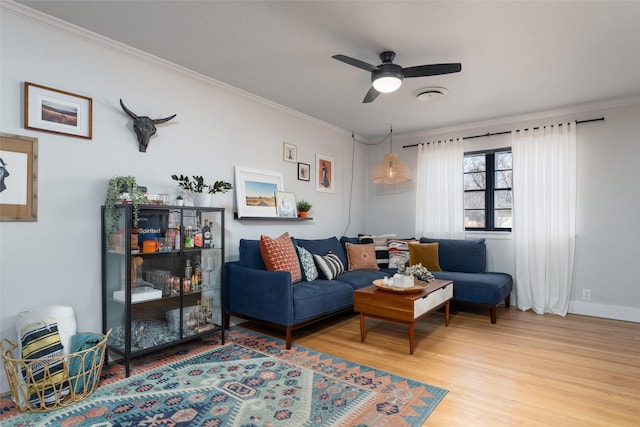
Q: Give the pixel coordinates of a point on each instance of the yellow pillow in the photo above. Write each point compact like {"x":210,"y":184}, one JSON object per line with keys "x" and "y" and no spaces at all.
{"x":362,"y":257}
{"x":425,"y":254}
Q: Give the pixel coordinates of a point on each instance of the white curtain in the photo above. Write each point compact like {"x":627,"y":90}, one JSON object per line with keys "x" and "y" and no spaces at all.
{"x":439,"y":190}
{"x":544,"y":209}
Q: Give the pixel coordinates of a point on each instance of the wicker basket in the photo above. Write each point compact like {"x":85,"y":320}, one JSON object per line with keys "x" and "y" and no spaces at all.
{"x":65,"y":389}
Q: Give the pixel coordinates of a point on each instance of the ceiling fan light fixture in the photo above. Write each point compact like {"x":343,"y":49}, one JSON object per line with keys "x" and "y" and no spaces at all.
{"x":387,"y":78}
{"x":387,"y":84}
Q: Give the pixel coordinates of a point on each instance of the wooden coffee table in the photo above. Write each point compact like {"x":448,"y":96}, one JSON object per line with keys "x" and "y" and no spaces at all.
{"x":403,"y":307}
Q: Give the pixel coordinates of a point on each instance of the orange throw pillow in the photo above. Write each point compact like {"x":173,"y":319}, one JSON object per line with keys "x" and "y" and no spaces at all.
{"x":362,"y":256}
{"x":425,"y":254}
{"x":280,"y":255}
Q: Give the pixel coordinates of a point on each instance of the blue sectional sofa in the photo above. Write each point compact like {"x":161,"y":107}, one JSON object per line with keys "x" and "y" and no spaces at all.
{"x":254,"y":293}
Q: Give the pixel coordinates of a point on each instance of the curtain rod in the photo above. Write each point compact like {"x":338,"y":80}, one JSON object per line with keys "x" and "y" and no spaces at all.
{"x":501,"y":133}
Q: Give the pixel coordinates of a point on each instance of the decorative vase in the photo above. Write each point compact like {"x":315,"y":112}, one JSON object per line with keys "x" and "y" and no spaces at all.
{"x":201,"y":199}
{"x":303,"y":214}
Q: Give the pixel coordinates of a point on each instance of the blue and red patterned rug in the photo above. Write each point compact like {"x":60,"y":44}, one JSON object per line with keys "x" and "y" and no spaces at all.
{"x":250,"y":381}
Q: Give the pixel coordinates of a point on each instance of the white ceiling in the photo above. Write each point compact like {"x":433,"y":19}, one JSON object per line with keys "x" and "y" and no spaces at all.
{"x":518,"y":57}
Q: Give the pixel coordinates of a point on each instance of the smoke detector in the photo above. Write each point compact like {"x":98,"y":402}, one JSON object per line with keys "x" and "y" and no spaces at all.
{"x":430,"y":94}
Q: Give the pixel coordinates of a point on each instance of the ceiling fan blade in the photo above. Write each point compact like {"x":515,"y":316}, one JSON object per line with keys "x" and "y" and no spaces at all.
{"x":432,"y":70}
{"x":371,"y":95}
{"x":355,"y":62}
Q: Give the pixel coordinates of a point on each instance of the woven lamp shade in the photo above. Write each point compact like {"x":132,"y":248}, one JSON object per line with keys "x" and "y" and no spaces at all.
{"x":391,"y":170}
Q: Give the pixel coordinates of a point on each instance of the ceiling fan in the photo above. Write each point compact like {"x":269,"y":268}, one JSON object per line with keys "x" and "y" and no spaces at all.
{"x":387,"y":77}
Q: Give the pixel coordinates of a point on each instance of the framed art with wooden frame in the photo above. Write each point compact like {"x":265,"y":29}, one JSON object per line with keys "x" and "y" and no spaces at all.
{"x":256,"y":192}
{"x":304,"y":172}
{"x":56,"y":111}
{"x":324,"y":174}
{"x":289,"y":152}
{"x":286,"y":205}
{"x":18,"y":178}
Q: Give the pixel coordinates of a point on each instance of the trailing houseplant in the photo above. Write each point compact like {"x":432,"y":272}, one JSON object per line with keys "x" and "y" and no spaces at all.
{"x":303,"y":207}
{"x":197,"y":185}
{"x":122,"y":189}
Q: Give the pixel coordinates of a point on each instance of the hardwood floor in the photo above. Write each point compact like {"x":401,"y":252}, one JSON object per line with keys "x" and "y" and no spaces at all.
{"x":526,"y":370}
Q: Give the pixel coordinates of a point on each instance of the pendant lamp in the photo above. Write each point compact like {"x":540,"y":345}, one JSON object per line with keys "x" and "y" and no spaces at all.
{"x":391,"y":170}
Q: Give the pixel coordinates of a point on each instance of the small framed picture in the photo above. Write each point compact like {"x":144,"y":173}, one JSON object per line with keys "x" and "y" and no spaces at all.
{"x":56,"y":111}
{"x":324,"y":174}
{"x":286,"y":204}
{"x":289,"y":152}
{"x":304,"y":172}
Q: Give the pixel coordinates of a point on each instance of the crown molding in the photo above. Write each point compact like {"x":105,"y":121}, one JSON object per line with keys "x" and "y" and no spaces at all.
{"x":71,"y":30}
{"x":510,"y":120}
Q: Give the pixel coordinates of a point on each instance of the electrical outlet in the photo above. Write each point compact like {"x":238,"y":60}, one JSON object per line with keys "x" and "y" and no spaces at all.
{"x":586,"y":294}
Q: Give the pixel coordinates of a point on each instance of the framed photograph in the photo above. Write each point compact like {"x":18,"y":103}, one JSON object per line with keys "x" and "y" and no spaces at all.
{"x":18,"y":178}
{"x":304,"y":172}
{"x":289,"y":152}
{"x":256,"y":192}
{"x":56,"y":111}
{"x":286,"y":204}
{"x":324,"y":174}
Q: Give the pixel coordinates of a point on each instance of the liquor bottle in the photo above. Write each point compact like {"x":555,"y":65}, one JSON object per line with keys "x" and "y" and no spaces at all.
{"x":198,"y":239}
{"x":197,"y":271}
{"x":206,"y":234}
{"x":188,"y":238}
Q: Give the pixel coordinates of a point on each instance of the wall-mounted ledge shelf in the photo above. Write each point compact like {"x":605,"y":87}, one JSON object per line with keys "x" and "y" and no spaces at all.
{"x":270,"y":218}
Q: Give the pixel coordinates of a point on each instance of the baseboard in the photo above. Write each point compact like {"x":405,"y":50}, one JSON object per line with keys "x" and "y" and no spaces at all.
{"x":629,"y":314}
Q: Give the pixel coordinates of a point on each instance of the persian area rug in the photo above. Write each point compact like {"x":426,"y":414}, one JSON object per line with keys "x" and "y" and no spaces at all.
{"x":252,"y":380}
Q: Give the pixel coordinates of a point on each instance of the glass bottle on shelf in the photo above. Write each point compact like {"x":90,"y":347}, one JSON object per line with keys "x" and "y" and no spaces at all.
{"x":206,"y":235}
{"x":197,"y":275}
{"x":198,"y":240}
{"x":188,"y":238}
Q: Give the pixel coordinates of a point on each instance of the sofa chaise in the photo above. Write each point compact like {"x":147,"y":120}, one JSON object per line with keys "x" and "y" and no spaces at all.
{"x":254,"y":293}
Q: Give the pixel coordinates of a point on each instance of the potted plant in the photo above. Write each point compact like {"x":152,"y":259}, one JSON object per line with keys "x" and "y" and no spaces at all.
{"x":197,"y":186}
{"x":179,"y":200}
{"x":123,"y":189}
{"x":417,"y":270}
{"x":303,"y":208}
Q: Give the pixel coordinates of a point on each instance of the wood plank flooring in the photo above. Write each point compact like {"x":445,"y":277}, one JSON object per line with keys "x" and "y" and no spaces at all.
{"x":526,"y":370}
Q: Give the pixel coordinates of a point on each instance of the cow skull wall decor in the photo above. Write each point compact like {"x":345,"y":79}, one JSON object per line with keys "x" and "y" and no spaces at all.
{"x":144,"y":127}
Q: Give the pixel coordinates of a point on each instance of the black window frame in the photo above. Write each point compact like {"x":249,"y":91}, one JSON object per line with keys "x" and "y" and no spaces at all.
{"x":489,"y":191}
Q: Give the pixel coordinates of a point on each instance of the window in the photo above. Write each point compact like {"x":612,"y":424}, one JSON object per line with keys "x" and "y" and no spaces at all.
{"x":487,"y":190}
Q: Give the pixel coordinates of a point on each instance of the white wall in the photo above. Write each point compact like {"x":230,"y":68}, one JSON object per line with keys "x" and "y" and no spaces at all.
{"x":607,"y":249}
{"x":57,"y":258}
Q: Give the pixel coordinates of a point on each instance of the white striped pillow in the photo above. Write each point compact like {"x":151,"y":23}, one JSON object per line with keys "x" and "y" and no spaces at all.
{"x":380,"y":246}
{"x":329,"y":265}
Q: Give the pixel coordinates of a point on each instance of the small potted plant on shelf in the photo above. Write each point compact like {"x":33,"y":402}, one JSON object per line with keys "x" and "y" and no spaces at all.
{"x":122,"y":190}
{"x":303,"y":208}
{"x":201,"y":192}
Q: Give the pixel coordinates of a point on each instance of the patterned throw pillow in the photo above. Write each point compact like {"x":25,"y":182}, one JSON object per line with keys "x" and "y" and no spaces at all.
{"x":329,"y":265}
{"x":41,"y":340}
{"x":280,"y":255}
{"x":309,"y":270}
{"x":397,"y":249}
{"x":380,"y":246}
{"x":361,"y":257}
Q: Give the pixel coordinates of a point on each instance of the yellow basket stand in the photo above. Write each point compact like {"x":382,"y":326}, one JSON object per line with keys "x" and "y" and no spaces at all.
{"x":67,"y":389}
